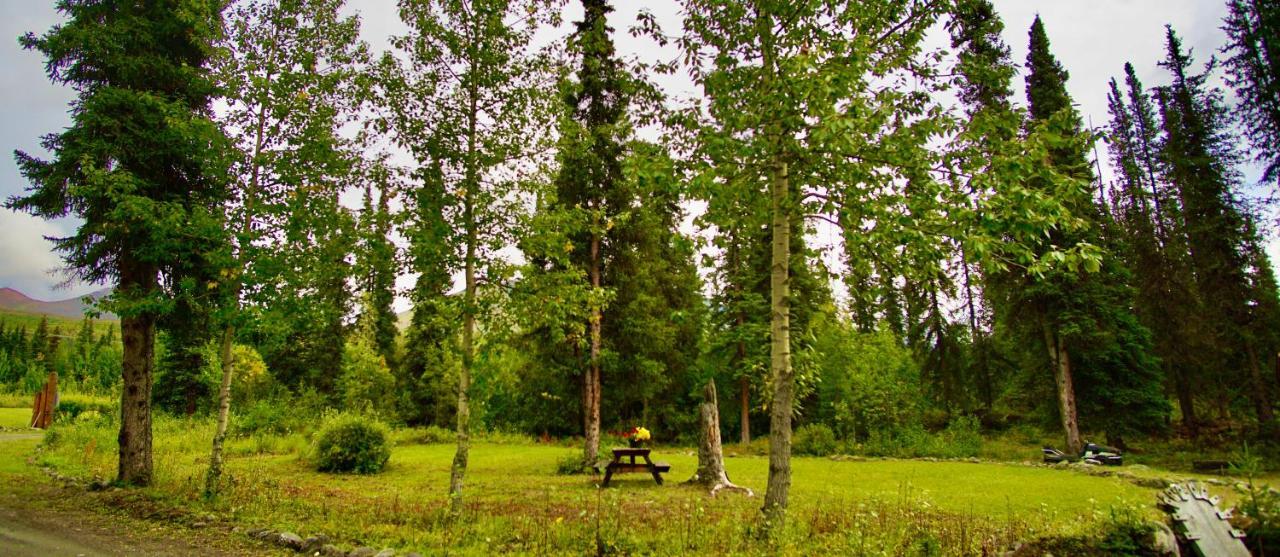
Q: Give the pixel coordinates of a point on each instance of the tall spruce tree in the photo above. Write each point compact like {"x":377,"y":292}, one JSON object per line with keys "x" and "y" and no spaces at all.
{"x":1099,"y":353}
{"x":141,"y":165}
{"x":589,"y":183}
{"x":1253,"y":70}
{"x":378,"y":263}
{"x":1154,"y":248}
{"x":1200,"y":160}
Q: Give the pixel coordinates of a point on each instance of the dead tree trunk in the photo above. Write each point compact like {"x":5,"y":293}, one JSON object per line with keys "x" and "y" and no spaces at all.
{"x":711,"y":471}
{"x":1061,"y":361}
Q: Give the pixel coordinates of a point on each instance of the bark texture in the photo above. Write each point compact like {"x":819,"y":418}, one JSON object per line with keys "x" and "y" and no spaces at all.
{"x":591,"y":414}
{"x":138,"y":334}
{"x":711,"y":471}
{"x":1061,"y":362}
{"x":214,"y":477}
{"x":775,"y":497}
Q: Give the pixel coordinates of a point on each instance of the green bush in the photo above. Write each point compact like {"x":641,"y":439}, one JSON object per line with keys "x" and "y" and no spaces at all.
{"x":276,"y":417}
{"x":349,"y":443}
{"x":71,"y":406}
{"x":435,"y":435}
{"x":815,"y":440}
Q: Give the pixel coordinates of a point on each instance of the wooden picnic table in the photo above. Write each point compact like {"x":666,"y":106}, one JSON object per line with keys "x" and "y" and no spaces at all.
{"x":618,"y":466}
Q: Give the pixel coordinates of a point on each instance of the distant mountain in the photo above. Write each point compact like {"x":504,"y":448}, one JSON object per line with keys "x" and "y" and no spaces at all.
{"x":73,"y":308}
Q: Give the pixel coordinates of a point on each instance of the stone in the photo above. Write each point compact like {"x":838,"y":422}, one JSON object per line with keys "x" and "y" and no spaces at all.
{"x":1165,"y":543}
{"x":362,"y":552}
{"x":330,"y":550}
{"x":311,"y":544}
{"x":386,"y":553}
{"x":290,"y":540}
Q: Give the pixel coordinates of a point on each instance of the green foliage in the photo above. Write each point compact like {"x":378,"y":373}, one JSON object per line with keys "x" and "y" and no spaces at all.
{"x":814,"y":440}
{"x":366,"y":384}
{"x":868,"y":382}
{"x":1253,"y":49}
{"x":351,"y":443}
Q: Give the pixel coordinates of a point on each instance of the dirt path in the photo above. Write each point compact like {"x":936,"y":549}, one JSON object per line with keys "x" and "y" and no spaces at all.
{"x":40,"y":519}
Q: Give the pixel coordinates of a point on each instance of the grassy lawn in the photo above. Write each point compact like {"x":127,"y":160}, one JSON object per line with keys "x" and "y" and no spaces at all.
{"x":15,"y":418}
{"x":515,"y":501}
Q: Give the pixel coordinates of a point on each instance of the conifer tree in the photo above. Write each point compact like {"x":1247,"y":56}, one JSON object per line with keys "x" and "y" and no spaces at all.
{"x":140,"y":165}
{"x":1253,"y":70}
{"x":378,"y":262}
{"x":1200,"y":160}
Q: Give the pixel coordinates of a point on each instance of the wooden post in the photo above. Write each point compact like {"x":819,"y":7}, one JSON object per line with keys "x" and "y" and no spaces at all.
{"x":45,"y":404}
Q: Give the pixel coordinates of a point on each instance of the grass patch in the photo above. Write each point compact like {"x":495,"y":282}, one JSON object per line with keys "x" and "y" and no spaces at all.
{"x":516,"y":502}
{"x":15,"y":418}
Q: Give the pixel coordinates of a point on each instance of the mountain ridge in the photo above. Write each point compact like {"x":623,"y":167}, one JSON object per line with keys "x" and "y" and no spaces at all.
{"x":14,"y":300}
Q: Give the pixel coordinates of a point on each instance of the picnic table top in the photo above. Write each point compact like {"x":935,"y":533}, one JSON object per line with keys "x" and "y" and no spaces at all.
{"x":630,"y":451}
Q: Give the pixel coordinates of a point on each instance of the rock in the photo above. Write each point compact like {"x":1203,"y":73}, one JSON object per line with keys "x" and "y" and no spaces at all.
{"x":290,"y":540}
{"x":330,"y":550}
{"x":362,"y":552}
{"x":974,"y":460}
{"x":1166,"y":543}
{"x":388,"y":552}
{"x":310,"y":545}
{"x":199,"y":524}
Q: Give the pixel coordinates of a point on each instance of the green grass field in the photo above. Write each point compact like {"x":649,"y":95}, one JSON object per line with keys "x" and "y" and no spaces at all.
{"x":15,"y":418}
{"x":515,"y":502}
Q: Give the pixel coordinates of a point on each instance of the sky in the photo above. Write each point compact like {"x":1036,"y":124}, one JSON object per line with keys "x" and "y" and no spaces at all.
{"x":1091,"y":38}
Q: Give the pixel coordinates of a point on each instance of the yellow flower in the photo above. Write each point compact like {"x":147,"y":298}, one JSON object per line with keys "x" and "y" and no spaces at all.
{"x":642,"y":434}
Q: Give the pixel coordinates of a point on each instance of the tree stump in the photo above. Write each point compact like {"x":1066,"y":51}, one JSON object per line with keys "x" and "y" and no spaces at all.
{"x":45,"y":403}
{"x":711,"y":471}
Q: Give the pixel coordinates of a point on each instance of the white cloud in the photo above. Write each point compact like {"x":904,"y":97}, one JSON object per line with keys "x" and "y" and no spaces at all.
{"x":27,"y":260}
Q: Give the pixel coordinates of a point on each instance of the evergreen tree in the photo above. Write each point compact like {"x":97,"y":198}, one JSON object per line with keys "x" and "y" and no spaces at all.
{"x":139,"y":165}
{"x":378,"y":319}
{"x":1154,"y":248}
{"x":1200,"y":160}
{"x":1253,"y":70}
{"x":1099,"y":353}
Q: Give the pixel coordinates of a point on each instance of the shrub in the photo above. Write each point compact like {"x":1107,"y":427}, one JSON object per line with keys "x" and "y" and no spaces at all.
{"x":814,"y":440}
{"x":71,"y":406}
{"x":571,"y":465}
{"x":349,"y":443}
{"x":268,"y":416}
{"x":366,"y":383}
{"x":434,"y":435}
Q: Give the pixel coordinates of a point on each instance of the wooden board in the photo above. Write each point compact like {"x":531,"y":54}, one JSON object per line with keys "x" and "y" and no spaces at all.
{"x":1198,"y":520}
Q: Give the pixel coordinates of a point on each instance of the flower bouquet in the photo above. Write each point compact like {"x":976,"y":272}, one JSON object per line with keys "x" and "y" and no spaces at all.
{"x":638,"y":437}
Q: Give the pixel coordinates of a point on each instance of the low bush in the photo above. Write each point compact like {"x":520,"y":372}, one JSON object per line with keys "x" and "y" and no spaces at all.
{"x":814,"y":440}
{"x":350,"y":443}
{"x":71,"y":406}
{"x":571,"y":465}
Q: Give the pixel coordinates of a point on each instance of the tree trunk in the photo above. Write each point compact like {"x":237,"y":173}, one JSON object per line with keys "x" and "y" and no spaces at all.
{"x":711,"y":471}
{"x":1061,"y":362}
{"x":591,"y":414}
{"x":744,"y":404}
{"x":138,"y":334}
{"x":775,"y":497}
{"x":459,"y":467}
{"x":1186,"y":401}
{"x":1260,"y":394}
{"x":214,"y":476}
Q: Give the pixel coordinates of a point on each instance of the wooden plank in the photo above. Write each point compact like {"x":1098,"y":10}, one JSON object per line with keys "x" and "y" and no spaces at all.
{"x":1198,"y":520}
{"x":628,"y":451}
{"x":624,"y":468}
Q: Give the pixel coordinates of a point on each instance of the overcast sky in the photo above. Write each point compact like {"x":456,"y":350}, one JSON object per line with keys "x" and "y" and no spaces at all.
{"x":1092,"y":38}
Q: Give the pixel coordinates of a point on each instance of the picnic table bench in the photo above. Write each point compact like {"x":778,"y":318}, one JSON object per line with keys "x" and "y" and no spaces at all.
{"x":618,"y":466}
